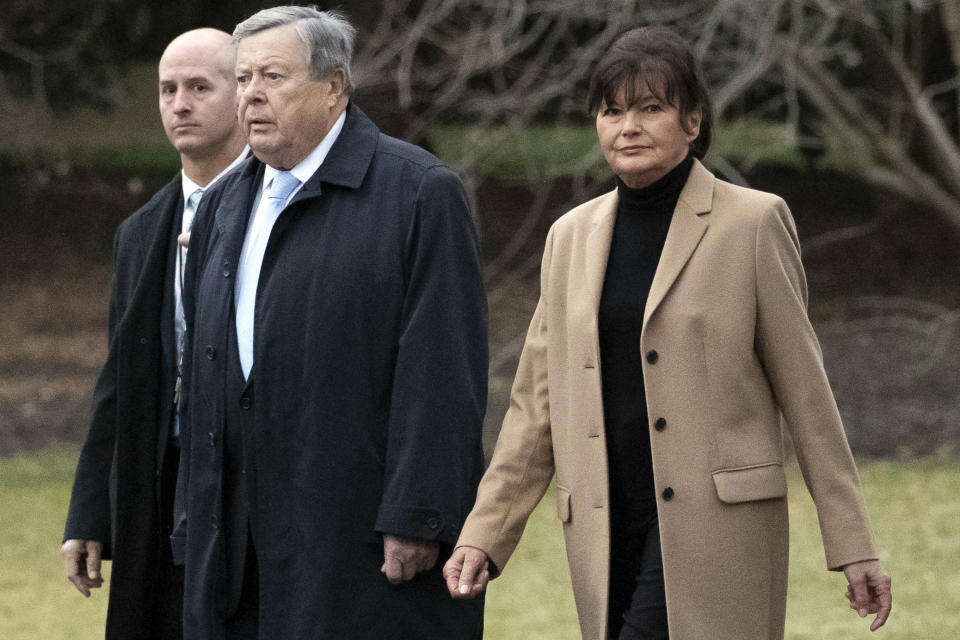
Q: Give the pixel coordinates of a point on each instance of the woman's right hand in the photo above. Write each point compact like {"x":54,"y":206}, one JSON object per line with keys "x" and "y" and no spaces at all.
{"x":467,"y":572}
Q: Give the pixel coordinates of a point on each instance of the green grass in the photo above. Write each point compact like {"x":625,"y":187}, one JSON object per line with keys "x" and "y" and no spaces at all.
{"x":127,"y":139}
{"x":122,"y":161}
{"x":36,"y":601}
{"x":749,"y":142}
{"x":520,"y":154}
{"x":118,"y":143}
{"x":916,"y":518}
{"x":915,"y":512}
{"x":524,"y":154}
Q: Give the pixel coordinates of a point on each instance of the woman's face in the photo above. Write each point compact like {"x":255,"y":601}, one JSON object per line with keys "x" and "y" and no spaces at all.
{"x":642,"y":142}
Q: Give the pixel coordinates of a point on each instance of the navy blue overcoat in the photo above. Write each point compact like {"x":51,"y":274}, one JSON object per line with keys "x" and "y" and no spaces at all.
{"x":370,"y":378}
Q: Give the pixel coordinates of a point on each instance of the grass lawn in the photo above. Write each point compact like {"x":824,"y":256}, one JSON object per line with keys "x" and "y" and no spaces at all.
{"x":128,"y":139}
{"x":916,"y":517}
{"x":532,"y":153}
{"x":36,"y":601}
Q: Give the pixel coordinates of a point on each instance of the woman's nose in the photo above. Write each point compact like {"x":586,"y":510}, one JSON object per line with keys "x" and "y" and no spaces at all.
{"x":631,"y":122}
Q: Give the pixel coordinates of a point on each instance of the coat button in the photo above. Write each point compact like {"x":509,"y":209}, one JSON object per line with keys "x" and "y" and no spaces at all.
{"x":660,"y":424}
{"x":143,"y":341}
{"x":211,"y":352}
{"x":211,"y":438}
{"x":214,"y":522}
{"x":652,"y":356}
{"x":433,"y":523}
{"x":226,"y":269}
{"x":667,"y":494}
{"x":245,"y":402}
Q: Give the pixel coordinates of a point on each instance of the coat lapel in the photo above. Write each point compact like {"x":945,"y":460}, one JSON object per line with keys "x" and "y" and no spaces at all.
{"x":349,"y":158}
{"x":156,"y":228}
{"x":143,"y":311}
{"x":233,"y":213}
{"x":598,"y":247}
{"x":686,"y":229}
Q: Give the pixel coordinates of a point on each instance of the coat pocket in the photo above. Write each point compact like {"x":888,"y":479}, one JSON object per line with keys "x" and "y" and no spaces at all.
{"x":745,"y":484}
{"x":563,"y":504}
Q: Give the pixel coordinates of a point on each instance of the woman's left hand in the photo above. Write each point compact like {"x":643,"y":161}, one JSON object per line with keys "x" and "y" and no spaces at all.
{"x":868,"y":591}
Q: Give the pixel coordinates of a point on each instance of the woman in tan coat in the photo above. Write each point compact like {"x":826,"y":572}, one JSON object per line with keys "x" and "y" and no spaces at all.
{"x":670,"y":338}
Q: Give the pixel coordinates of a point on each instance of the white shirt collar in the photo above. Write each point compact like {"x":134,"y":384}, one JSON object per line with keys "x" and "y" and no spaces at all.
{"x":309,"y":165}
{"x":189,"y":186}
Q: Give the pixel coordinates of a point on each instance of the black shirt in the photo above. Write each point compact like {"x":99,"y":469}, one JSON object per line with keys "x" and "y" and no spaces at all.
{"x":643,"y":219}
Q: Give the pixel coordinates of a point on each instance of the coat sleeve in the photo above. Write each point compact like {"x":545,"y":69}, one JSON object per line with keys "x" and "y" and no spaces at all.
{"x":89,"y":514}
{"x":793,"y":362}
{"x":434,"y":454}
{"x":522,"y":463}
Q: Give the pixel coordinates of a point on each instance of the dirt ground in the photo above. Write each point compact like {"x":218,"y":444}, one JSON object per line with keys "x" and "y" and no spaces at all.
{"x":883,"y":276}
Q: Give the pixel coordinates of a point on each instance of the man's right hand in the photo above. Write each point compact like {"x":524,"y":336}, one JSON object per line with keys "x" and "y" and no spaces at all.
{"x":81,"y":560}
{"x":467,"y":572}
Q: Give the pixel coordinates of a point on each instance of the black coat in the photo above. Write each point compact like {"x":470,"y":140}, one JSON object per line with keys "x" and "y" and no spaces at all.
{"x":115,"y":497}
{"x":369,"y":388}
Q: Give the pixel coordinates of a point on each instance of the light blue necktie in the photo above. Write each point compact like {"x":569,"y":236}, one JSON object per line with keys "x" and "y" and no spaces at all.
{"x":276,"y":196}
{"x":189,"y":211}
{"x":280,"y":189}
{"x":180,"y":325}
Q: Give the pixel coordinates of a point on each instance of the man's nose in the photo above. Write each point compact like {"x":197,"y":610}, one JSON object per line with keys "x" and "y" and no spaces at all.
{"x":251,"y":92}
{"x":181,"y":101}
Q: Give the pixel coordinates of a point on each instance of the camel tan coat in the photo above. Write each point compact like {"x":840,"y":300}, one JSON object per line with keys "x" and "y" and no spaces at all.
{"x":728,"y":352}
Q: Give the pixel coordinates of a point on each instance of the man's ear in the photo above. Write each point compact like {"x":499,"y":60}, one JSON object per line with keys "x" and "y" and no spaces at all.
{"x":338,"y":84}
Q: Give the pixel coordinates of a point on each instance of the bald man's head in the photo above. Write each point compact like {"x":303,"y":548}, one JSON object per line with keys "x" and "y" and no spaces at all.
{"x":215,"y":46}
{"x":198,"y":102}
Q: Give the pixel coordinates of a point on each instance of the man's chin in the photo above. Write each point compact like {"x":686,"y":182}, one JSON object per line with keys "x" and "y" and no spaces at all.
{"x":265,"y":153}
{"x":261,"y":142}
{"x":188,"y":143}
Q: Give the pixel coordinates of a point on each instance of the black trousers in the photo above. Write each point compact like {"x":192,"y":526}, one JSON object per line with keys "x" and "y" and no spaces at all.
{"x":638,"y":605}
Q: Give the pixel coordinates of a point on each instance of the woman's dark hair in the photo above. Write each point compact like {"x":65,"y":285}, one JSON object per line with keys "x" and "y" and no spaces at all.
{"x":658,"y":59}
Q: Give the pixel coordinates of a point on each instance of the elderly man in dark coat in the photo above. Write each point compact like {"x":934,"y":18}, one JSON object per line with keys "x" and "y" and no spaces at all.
{"x":122,"y":503}
{"x":336,"y":373}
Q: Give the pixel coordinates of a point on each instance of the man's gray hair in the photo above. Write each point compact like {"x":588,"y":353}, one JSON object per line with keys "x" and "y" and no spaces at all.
{"x":328,"y":36}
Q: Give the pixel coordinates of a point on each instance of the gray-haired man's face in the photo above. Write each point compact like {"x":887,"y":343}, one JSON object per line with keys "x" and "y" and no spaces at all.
{"x":283,"y":111}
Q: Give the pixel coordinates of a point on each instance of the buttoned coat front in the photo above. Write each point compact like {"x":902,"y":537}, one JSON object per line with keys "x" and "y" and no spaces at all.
{"x":367,"y":395}
{"x":728,"y":350}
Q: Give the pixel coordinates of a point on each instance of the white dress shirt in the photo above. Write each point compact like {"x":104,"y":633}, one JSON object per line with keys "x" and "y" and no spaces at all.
{"x":257,"y":236}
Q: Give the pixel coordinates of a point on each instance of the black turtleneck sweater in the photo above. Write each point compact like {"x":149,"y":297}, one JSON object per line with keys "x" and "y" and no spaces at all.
{"x":643,"y":218}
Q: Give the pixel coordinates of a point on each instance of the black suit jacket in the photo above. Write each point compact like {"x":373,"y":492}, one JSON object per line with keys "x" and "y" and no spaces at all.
{"x":115,"y":497}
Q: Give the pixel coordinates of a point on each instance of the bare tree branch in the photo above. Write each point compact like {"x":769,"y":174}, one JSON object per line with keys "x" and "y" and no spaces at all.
{"x":950,"y":10}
